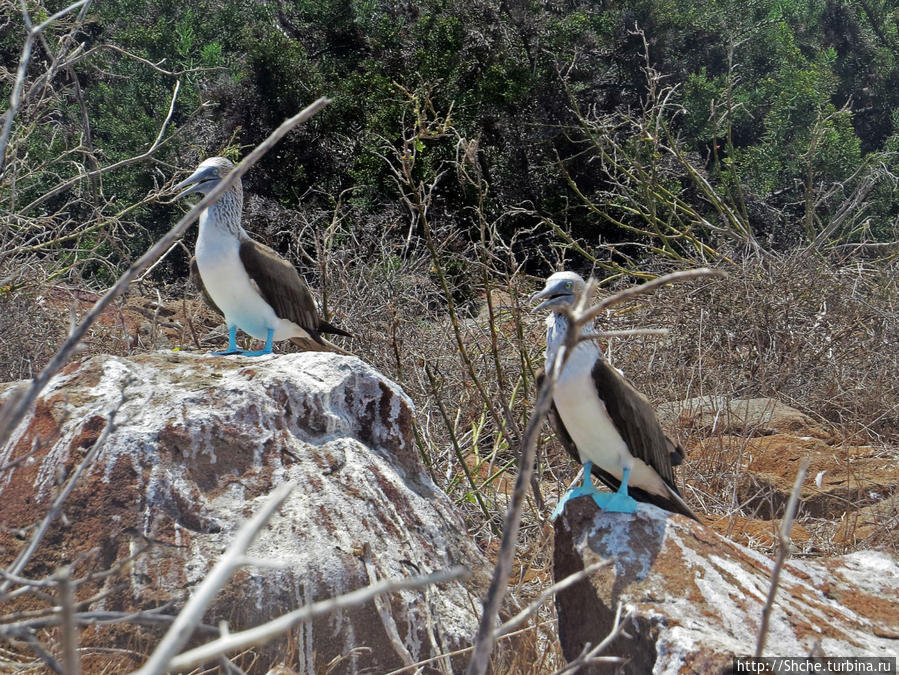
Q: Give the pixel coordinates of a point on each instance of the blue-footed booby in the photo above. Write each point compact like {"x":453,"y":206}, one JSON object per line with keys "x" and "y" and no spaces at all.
{"x":602,"y":421}
{"x":246,"y":282}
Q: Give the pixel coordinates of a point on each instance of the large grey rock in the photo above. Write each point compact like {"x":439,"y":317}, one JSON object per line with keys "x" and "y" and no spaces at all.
{"x":745,"y":417}
{"x":199,"y":443}
{"x":697,"y":597}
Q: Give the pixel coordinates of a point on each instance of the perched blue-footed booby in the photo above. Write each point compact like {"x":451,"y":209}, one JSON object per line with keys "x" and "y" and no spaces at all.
{"x":249,"y":284}
{"x":602,"y":421}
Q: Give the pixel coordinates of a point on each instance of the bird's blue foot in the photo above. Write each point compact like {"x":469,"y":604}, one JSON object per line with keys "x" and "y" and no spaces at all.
{"x":267,"y":349}
{"x":585,"y":488}
{"x":258,"y":352}
{"x":232,"y":344}
{"x":617,"y":502}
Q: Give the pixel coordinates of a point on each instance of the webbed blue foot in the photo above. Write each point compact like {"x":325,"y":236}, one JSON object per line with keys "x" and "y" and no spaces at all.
{"x":585,"y":488}
{"x":232,"y":344}
{"x":267,"y":349}
{"x":617,"y":502}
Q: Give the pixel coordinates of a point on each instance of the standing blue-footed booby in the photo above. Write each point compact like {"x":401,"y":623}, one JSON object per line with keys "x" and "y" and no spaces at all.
{"x":602,"y":421}
{"x":249,"y":284}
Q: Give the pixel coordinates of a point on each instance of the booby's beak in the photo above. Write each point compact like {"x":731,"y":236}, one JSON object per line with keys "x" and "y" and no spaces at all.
{"x":201,"y":180}
{"x":558,"y":293}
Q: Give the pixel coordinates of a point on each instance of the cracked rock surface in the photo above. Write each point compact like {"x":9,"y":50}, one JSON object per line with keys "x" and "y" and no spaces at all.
{"x":199,"y":442}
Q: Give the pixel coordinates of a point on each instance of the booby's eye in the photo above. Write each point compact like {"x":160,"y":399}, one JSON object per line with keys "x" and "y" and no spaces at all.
{"x":569,"y":285}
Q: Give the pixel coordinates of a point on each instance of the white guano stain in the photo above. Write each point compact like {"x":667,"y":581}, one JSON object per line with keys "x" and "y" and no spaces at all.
{"x":329,"y":516}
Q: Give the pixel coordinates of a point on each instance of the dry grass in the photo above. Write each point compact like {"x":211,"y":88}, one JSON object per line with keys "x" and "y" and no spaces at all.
{"x":31,"y":330}
{"x":818,"y":335}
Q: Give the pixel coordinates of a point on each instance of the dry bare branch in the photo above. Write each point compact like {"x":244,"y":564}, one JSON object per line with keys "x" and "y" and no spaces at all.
{"x":783,"y":550}
{"x":67,"y":621}
{"x":275,"y":627}
{"x":15,"y":98}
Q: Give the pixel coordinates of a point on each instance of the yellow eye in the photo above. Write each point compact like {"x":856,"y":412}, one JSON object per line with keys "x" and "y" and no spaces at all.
{"x":568,"y":285}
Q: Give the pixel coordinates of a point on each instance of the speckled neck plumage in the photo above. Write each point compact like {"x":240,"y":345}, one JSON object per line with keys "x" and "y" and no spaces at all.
{"x":556,"y":331}
{"x":225,"y":214}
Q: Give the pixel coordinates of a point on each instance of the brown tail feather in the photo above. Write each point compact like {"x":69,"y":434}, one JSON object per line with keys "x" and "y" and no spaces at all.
{"x":326,"y":327}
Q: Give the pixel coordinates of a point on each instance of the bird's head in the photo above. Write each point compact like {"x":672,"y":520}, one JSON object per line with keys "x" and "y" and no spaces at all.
{"x":209,"y":174}
{"x":562,"y":290}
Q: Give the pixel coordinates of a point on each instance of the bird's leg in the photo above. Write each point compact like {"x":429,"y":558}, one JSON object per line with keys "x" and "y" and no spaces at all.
{"x":267,"y":349}
{"x":232,"y":343}
{"x":585,"y":474}
{"x":585,"y":488}
{"x":617,"y":502}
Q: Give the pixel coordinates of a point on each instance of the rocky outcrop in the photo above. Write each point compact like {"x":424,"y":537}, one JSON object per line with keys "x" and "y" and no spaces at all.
{"x":697,"y":597}
{"x":757,"y":446}
{"x":843,"y":478}
{"x":743,"y":417}
{"x":198,"y":443}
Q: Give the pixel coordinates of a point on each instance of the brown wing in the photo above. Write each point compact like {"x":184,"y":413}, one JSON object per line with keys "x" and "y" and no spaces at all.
{"x":198,"y":282}
{"x":636,"y":421}
{"x":280,"y":286}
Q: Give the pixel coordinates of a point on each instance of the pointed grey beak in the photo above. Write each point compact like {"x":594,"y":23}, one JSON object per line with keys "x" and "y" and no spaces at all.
{"x":556,"y":294}
{"x":201,"y":180}
{"x":535,"y":297}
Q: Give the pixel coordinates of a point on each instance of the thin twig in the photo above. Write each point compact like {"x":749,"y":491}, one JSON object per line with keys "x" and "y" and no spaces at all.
{"x":561,"y":585}
{"x":148,"y":617}
{"x":67,"y":619}
{"x":15,"y":97}
{"x":180,"y":631}
{"x":282,"y":624}
{"x":29,"y":638}
{"x":24,"y":403}
{"x":783,"y":550}
{"x":589,"y":655}
{"x":590,"y":315}
{"x":625,"y":332}
{"x":465,"y":650}
{"x":393,"y":633}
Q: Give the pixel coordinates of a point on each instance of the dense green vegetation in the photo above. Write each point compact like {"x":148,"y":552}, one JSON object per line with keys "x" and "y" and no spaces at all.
{"x":672,"y":124}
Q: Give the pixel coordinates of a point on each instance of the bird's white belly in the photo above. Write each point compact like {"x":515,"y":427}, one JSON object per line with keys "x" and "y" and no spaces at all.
{"x":593,"y":431}
{"x":231,"y":288}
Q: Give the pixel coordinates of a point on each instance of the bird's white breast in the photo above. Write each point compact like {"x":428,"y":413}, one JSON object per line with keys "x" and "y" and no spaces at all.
{"x":585,"y":416}
{"x":588,"y":423}
{"x":230,"y":287}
